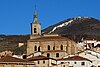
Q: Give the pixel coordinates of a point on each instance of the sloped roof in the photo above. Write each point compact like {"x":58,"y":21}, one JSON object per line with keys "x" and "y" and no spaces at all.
{"x":40,"y":57}
{"x":77,"y":58}
{"x":88,"y":39}
{"x":35,"y":21}
{"x":50,"y":38}
{"x":12,"y":59}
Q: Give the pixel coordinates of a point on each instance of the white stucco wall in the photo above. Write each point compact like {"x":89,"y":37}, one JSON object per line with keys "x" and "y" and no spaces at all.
{"x":78,"y":63}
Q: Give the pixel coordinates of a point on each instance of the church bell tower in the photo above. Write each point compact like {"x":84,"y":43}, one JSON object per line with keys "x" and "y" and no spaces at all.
{"x":35,"y":27}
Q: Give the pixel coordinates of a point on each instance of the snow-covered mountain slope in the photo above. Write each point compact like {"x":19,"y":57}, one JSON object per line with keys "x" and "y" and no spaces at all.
{"x":75,"y":26}
{"x":68,"y":22}
{"x":61,"y":25}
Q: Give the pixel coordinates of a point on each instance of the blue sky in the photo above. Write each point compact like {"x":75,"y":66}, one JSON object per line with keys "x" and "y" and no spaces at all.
{"x":16,"y":15}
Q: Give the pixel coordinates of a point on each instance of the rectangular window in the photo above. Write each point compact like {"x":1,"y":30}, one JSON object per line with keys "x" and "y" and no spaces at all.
{"x":74,"y":62}
{"x":38,"y":62}
{"x":82,"y":63}
{"x":63,"y":65}
{"x":57,"y":54}
{"x":48,"y":55}
{"x":43,"y":62}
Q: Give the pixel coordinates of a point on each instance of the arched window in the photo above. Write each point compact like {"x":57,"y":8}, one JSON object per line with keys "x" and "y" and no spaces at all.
{"x":48,"y":47}
{"x":35,"y":48}
{"x":48,"y":55}
{"x":53,"y":47}
{"x":61,"y":47}
{"x":39,"y":49}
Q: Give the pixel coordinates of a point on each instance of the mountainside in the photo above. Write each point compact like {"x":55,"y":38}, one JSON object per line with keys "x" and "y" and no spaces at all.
{"x":76,"y":28}
{"x":10,"y":42}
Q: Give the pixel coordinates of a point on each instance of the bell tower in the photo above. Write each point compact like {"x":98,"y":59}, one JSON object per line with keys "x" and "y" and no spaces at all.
{"x":35,"y":27}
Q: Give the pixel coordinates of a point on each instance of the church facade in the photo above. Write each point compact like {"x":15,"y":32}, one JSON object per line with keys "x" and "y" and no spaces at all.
{"x":50,"y":45}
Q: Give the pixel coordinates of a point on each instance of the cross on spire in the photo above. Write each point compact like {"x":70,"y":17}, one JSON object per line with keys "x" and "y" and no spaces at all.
{"x":35,"y":13}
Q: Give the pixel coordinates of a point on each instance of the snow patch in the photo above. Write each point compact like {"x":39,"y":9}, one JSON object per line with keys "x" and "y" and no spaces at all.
{"x":82,"y":17}
{"x":68,"y":22}
{"x":61,"y":25}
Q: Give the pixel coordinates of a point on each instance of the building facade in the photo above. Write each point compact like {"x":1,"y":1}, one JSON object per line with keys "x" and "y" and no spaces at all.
{"x":41,"y":61}
{"x":9,"y":61}
{"x":75,"y":61}
{"x":91,"y":55}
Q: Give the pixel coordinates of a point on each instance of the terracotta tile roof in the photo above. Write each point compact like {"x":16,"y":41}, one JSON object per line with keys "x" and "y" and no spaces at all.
{"x":88,"y":39}
{"x":49,"y":51}
{"x":50,"y":38}
{"x":12,"y":59}
{"x":78,"y":58}
{"x":35,"y":58}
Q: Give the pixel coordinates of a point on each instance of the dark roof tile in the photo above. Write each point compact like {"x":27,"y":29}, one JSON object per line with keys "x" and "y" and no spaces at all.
{"x":12,"y":59}
{"x":51,"y":38}
{"x":35,"y":58}
{"x":78,"y":58}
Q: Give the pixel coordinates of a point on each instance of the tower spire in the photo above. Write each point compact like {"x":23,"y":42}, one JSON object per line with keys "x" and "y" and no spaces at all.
{"x":35,"y":16}
{"x":35,"y":26}
{"x":35,"y":13}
